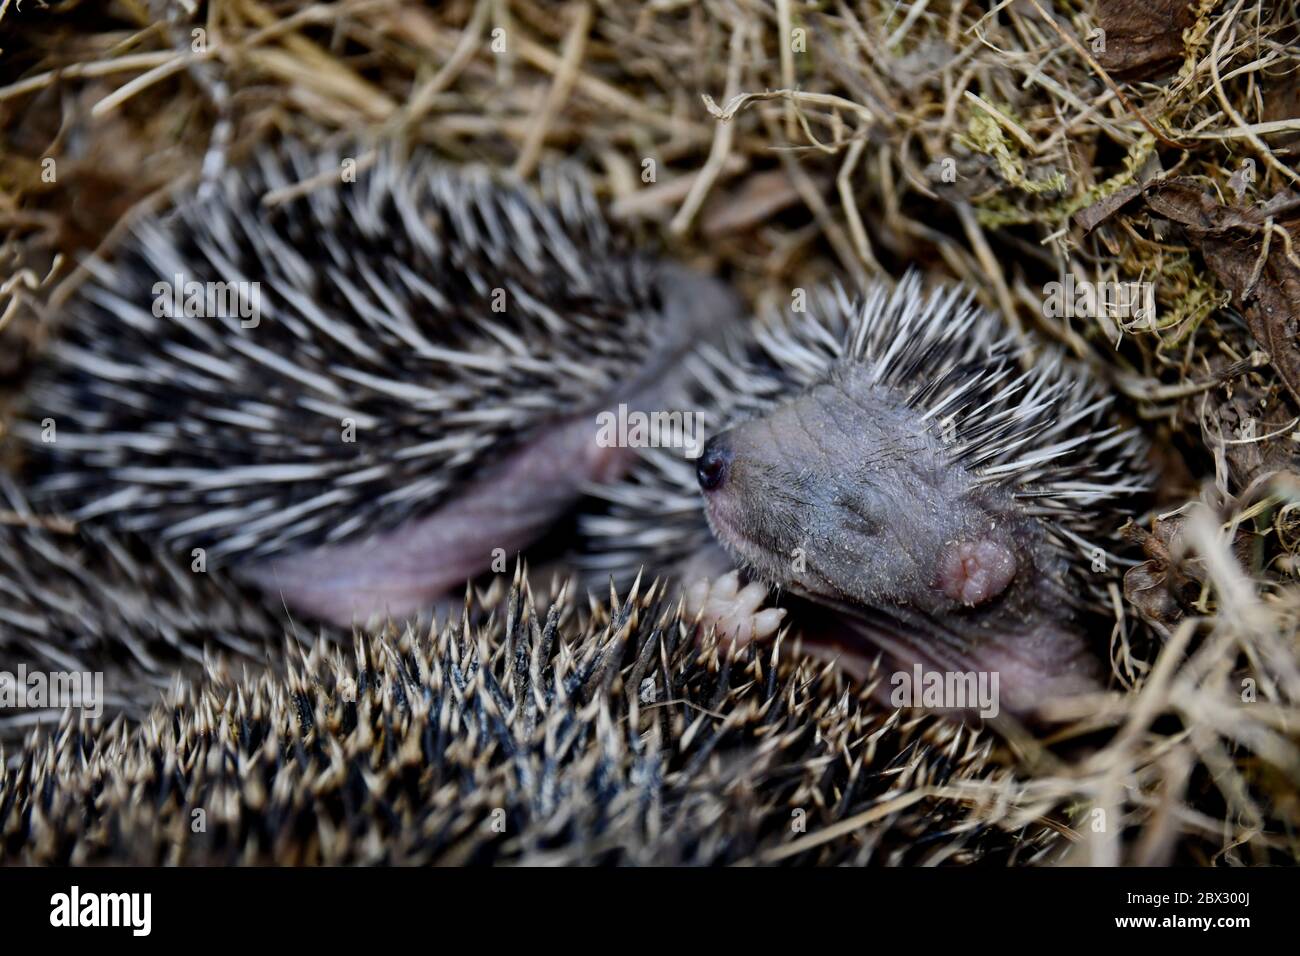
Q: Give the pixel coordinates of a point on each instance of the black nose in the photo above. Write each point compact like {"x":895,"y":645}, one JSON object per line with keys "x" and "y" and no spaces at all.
{"x":714,"y":463}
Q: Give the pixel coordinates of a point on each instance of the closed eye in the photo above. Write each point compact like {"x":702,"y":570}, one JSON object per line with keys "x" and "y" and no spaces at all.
{"x":862,"y":515}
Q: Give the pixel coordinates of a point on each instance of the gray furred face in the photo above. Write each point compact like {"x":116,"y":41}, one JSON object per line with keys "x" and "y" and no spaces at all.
{"x":844,"y":495}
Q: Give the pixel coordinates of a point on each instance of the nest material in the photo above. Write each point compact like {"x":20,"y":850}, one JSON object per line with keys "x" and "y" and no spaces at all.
{"x":1010,"y":147}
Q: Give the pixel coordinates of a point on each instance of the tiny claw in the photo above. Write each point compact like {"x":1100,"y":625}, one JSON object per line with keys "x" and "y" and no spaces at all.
{"x":750,"y":598}
{"x":727,"y":586}
{"x":766,"y":623}
{"x":697,"y":596}
{"x":730,"y":611}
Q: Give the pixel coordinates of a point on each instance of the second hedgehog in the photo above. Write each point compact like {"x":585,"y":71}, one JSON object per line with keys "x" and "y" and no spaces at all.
{"x":361,"y":393}
{"x":893,"y":461}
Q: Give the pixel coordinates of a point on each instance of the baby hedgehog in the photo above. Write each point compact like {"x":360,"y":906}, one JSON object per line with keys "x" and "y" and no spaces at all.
{"x":899,"y":463}
{"x":357,"y":393}
{"x":562,"y":735}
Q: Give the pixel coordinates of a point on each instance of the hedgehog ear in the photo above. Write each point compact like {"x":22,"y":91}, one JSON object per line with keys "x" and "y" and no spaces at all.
{"x":974,"y":572}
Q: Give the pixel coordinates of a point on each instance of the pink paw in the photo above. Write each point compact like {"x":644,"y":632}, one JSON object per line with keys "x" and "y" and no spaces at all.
{"x":732,"y":611}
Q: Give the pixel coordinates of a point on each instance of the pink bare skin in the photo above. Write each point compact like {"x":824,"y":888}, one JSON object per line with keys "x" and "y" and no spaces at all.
{"x":732,"y":612}
{"x":975,"y":572}
{"x":405,"y":570}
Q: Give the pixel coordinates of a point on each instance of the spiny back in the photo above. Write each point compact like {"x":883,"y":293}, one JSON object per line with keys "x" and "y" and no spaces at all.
{"x":410,"y":325}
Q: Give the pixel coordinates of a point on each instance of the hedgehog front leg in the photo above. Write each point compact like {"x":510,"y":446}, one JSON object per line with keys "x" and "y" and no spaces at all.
{"x":733,"y":612}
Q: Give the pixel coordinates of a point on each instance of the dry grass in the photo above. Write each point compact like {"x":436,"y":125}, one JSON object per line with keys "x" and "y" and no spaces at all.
{"x":794,"y":142}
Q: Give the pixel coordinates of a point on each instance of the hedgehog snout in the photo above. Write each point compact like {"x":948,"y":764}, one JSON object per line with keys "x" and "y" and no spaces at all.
{"x":714,"y":463}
